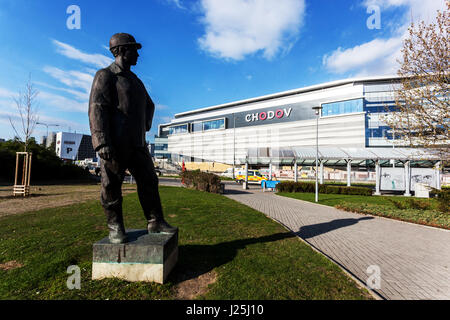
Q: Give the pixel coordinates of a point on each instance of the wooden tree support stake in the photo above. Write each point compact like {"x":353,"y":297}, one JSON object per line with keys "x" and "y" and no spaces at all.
{"x":24,"y":188}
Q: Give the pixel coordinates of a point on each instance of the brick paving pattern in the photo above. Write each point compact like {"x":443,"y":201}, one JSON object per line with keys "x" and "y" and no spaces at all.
{"x":414,"y":260}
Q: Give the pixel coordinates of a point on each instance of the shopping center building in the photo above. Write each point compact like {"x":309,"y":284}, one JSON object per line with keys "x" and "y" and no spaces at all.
{"x":351,"y":116}
{"x":283,"y":130}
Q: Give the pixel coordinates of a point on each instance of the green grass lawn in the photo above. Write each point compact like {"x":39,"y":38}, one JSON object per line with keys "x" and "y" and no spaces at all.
{"x":421,"y":211}
{"x":252,"y":256}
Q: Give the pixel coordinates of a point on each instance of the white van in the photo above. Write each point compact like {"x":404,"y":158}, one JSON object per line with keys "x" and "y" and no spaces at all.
{"x":229,"y":172}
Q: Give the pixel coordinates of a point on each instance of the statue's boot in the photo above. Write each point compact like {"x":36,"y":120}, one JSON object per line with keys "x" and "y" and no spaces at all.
{"x":117,"y":233}
{"x":160,"y":225}
{"x":116,"y":227}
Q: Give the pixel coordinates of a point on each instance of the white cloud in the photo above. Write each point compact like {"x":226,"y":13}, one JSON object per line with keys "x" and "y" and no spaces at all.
{"x":416,"y":9}
{"x":5,"y":93}
{"x":63,"y":103}
{"x":73,"y":78}
{"x":375,"y":57}
{"x":71,"y":52}
{"x":237,"y":28}
{"x":77,"y":84}
{"x":39,"y":130}
{"x":8,"y":110}
{"x":78,"y":94}
{"x":177,"y":3}
{"x":161,"y":107}
{"x":379,"y":56}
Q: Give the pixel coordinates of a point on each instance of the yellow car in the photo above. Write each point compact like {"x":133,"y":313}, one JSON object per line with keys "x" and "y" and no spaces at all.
{"x":253,"y":176}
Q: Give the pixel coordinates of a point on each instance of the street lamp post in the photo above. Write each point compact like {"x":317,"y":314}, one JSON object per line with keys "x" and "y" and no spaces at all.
{"x":48,"y":125}
{"x":317,"y":110}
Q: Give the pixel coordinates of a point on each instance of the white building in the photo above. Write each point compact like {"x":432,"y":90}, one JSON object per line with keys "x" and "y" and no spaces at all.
{"x":350,"y":117}
{"x":74,"y":146}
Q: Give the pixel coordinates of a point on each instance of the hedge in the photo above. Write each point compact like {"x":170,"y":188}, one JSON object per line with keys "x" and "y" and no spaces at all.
{"x":289,"y":186}
{"x":45,"y":164}
{"x":202,"y":181}
{"x":443,"y":198}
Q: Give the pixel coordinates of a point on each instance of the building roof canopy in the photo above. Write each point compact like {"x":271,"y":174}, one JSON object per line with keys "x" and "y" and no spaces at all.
{"x":336,"y":155}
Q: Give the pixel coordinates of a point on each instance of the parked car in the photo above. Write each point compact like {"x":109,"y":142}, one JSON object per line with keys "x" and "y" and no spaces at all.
{"x":253,"y":176}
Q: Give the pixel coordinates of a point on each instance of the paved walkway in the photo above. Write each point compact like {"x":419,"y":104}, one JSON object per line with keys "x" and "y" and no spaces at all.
{"x":414,"y":261}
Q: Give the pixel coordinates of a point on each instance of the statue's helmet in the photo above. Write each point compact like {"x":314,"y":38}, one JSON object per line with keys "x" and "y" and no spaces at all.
{"x":123,"y":39}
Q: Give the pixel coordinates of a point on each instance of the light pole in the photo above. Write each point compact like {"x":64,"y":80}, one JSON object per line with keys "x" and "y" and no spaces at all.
{"x":317,"y":110}
{"x":48,"y":125}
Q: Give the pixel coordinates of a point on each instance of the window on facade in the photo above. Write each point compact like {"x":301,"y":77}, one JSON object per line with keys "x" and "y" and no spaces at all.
{"x":161,"y":147}
{"x":178,"y":129}
{"x":214,"y":124}
{"x":197,"y":127}
{"x":342,"y":107}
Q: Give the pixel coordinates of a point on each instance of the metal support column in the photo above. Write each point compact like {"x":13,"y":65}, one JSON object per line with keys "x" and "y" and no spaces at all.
{"x":245,"y":186}
{"x":349,"y":173}
{"x":438,"y":175}
{"x":377,"y":178}
{"x":321,"y":172}
{"x":296,"y":172}
{"x":270,"y":171}
{"x":407,"y":179}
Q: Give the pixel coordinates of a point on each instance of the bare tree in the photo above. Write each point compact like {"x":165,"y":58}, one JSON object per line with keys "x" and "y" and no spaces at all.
{"x":27,"y":107}
{"x":422,"y":114}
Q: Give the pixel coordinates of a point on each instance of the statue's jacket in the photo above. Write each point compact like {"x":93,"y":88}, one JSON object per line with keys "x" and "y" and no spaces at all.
{"x":120,"y":109}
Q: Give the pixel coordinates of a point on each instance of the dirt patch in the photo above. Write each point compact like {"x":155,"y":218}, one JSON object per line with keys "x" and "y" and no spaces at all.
{"x":13,"y":264}
{"x":50,"y":196}
{"x":192,"y":288}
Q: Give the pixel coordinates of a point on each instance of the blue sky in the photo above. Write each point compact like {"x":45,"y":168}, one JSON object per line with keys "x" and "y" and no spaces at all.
{"x":195,"y":53}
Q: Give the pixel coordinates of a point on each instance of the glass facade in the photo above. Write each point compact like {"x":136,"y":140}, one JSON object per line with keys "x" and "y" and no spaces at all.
{"x":342,"y":107}
{"x":208,"y":125}
{"x":161,"y":148}
{"x":214,"y":124}
{"x":179,"y":129}
{"x":197,"y":127}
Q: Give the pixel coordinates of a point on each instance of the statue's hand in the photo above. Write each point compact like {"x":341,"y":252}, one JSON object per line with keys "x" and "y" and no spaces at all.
{"x":105,"y":153}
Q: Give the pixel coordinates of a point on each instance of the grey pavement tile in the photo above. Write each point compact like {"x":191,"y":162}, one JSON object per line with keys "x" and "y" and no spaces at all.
{"x":411,"y":257}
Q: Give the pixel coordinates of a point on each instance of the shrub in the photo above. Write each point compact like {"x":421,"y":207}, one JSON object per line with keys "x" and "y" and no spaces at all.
{"x":360,"y":191}
{"x":398,"y":204}
{"x":310,"y":187}
{"x":417,"y":204}
{"x":202,"y":181}
{"x":443,"y":198}
{"x":430,"y":217}
{"x":333,"y":189}
{"x":45,"y":164}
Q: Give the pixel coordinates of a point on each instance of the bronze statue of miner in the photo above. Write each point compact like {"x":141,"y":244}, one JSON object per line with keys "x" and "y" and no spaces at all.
{"x":120,"y":112}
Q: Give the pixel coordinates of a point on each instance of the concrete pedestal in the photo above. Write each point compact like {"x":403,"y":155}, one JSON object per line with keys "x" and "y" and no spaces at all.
{"x":145,"y":257}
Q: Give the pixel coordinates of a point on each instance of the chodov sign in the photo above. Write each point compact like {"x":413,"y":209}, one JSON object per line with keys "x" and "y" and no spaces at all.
{"x":268,"y":115}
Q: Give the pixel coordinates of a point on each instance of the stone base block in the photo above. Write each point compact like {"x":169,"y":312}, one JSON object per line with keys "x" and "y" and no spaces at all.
{"x":145,"y":257}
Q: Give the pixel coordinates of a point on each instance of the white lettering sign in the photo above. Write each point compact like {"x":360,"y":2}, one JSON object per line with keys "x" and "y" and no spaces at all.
{"x":269,"y":115}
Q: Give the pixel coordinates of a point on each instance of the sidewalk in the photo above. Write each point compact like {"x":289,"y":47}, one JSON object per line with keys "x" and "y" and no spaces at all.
{"x":414,"y":260}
